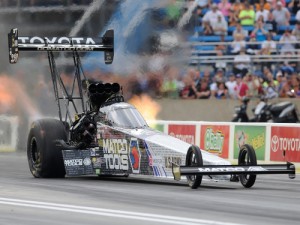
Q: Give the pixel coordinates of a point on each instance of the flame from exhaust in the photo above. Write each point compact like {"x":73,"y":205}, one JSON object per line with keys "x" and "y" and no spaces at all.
{"x":7,"y":100}
{"x":146,"y":106}
{"x":13,"y":97}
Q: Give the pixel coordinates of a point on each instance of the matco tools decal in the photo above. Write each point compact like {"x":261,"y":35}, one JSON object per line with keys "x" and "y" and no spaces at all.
{"x":116,"y":153}
{"x":231,"y":169}
{"x":73,"y":162}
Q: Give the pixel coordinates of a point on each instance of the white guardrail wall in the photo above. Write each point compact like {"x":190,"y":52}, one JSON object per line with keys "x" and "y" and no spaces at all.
{"x":272,"y":142}
{"x":8,"y":133}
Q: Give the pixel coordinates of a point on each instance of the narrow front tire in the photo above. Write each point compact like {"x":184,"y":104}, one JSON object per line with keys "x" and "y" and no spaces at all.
{"x":247,"y":157}
{"x":194,"y":158}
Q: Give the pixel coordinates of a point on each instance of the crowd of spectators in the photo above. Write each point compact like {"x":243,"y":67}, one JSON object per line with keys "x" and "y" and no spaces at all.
{"x":219,"y":86}
{"x":172,"y":82}
{"x":272,"y":13}
{"x":215,"y":85}
{"x":256,"y":29}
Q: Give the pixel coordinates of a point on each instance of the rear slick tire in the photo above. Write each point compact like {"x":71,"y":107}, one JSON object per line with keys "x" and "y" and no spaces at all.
{"x":247,"y":157}
{"x":194,"y":158}
{"x":44,"y":156}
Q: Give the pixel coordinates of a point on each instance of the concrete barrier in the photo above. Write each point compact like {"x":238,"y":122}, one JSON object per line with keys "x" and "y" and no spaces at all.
{"x":205,"y":109}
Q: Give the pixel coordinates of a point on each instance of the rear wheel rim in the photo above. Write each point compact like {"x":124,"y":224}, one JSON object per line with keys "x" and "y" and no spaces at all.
{"x":34,"y":154}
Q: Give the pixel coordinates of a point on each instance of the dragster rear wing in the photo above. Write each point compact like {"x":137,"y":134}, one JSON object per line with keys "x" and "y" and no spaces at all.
{"x":82,"y":44}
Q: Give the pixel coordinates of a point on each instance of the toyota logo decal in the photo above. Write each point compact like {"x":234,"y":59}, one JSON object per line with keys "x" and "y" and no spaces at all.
{"x":275,"y":143}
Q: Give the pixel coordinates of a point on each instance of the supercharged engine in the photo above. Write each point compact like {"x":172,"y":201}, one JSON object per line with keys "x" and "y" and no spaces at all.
{"x":100,"y":94}
{"x":83,"y":130}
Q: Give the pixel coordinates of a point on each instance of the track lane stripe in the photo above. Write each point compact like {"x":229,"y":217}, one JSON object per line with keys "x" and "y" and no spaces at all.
{"x":111,"y":213}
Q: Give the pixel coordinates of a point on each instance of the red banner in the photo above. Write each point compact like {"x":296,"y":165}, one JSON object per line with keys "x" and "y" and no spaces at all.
{"x":185,"y":133}
{"x":285,"y":144}
{"x":215,"y":139}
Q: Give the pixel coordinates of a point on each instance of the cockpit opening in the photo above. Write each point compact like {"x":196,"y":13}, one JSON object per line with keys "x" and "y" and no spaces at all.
{"x":126,"y":117}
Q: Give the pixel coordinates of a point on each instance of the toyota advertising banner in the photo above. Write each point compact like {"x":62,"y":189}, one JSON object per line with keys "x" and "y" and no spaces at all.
{"x":285,"y":139}
{"x":185,"y":133}
{"x":215,"y":139}
{"x":252,"y":135}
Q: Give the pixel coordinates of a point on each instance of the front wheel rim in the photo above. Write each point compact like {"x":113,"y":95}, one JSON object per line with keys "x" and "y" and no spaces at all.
{"x":192,"y":162}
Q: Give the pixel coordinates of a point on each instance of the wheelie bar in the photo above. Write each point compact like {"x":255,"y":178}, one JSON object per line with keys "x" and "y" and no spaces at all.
{"x":288,"y":168}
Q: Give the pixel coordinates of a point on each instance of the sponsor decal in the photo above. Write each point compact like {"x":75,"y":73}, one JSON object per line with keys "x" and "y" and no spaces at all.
{"x":98,"y":162}
{"x":100,"y":131}
{"x":115,"y":153}
{"x":135,"y":155}
{"x":275,"y":143}
{"x":105,"y":132}
{"x":60,"y":43}
{"x":94,"y":151}
{"x":215,"y":139}
{"x":231,"y":169}
{"x":57,"y":40}
{"x":77,"y":162}
{"x":252,"y":135}
{"x":285,"y":144}
{"x":185,"y":133}
{"x":222,"y":169}
{"x":256,"y":168}
{"x":73,"y":162}
{"x":157,"y":160}
{"x":87,"y":162}
{"x":171,"y":159}
{"x":71,"y":48}
{"x":148,"y":152}
{"x":98,"y":171}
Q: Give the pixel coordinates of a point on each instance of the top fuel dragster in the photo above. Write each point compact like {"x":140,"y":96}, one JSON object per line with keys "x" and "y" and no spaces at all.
{"x":109,"y":136}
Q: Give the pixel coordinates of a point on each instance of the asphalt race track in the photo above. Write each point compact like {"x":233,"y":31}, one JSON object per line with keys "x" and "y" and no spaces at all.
{"x":274,"y":199}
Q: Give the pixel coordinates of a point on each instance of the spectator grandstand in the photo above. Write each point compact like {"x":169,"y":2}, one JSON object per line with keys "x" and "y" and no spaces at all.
{"x":262,"y":35}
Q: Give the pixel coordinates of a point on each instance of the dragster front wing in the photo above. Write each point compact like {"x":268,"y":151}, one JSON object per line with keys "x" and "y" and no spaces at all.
{"x":287,"y":168}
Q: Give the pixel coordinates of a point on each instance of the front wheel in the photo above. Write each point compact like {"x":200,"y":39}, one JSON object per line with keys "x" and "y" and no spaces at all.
{"x":194,"y":158}
{"x":247,"y":157}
